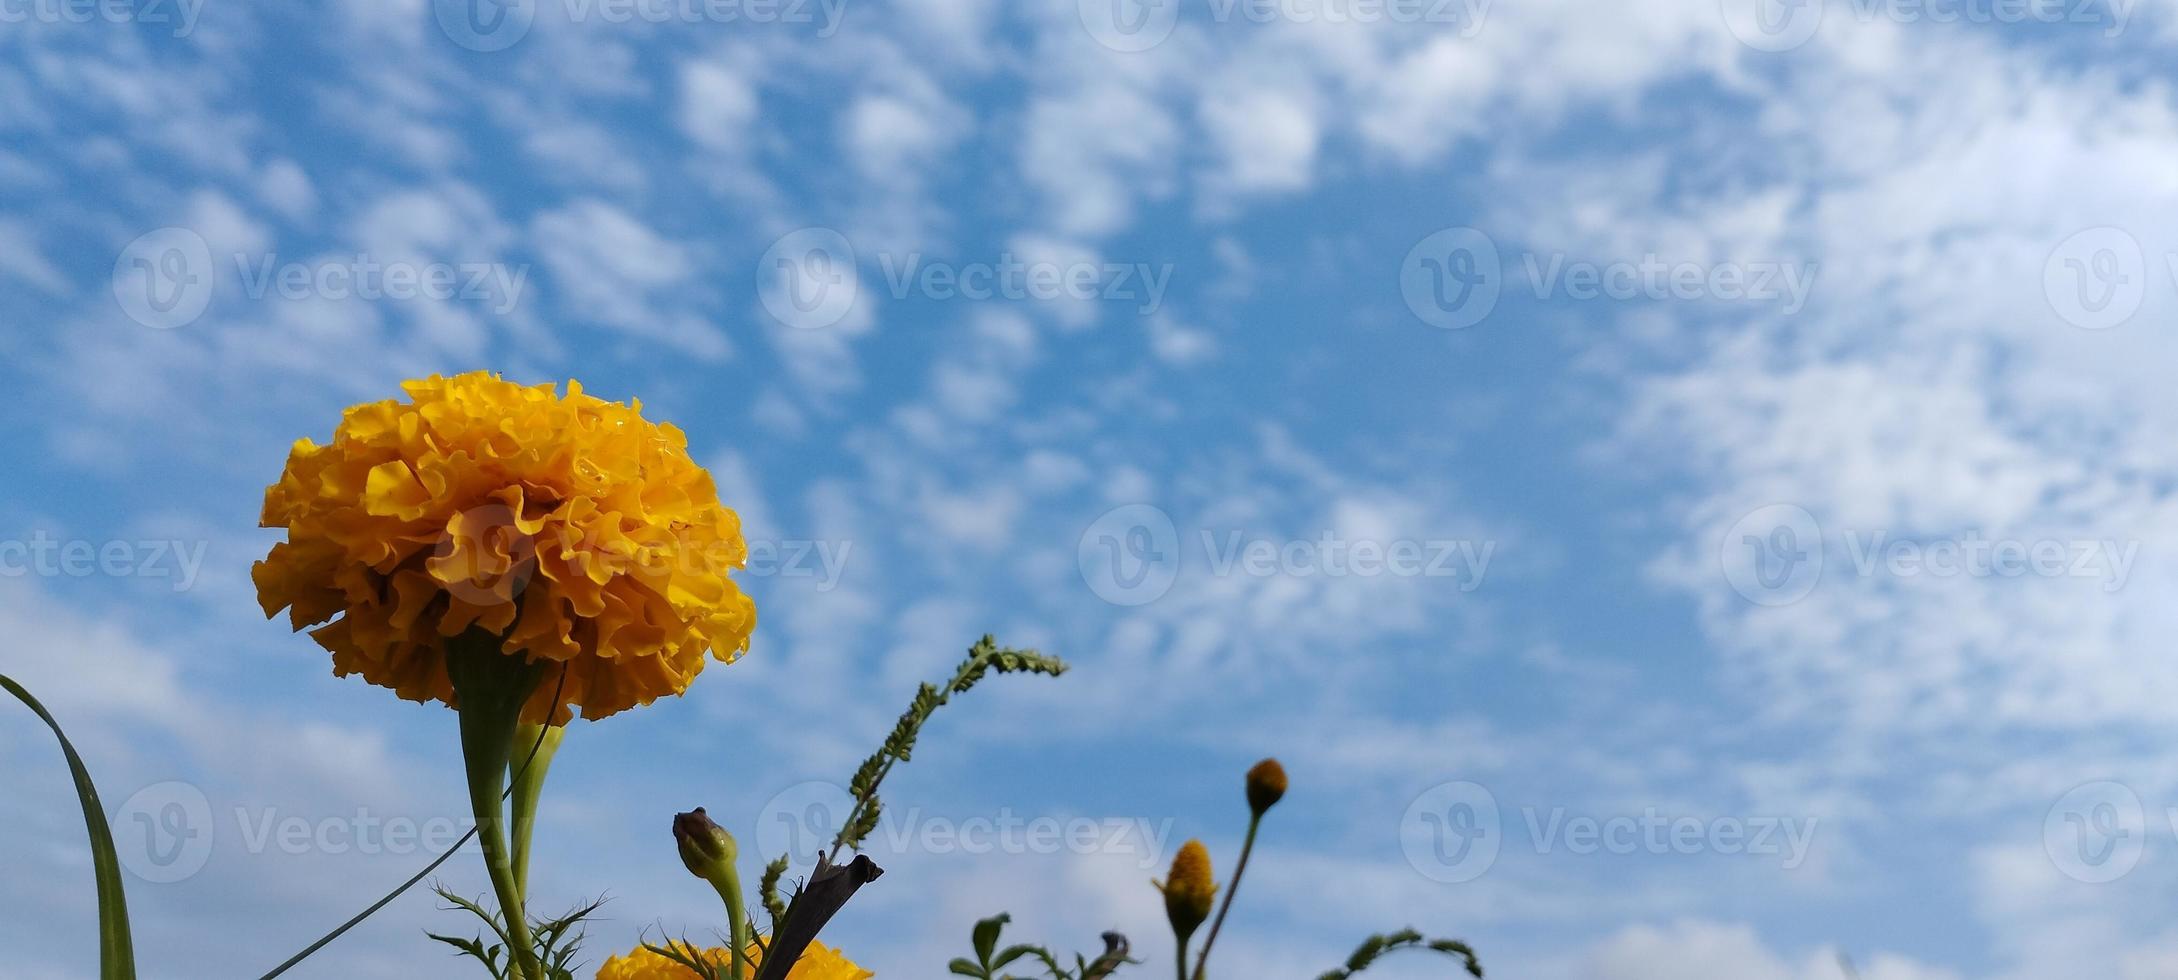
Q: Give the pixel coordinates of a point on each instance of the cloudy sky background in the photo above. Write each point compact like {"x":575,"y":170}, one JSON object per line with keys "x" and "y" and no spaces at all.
{"x":1979,"y":211}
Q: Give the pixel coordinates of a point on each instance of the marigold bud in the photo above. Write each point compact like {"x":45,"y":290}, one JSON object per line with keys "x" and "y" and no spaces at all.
{"x":1266,"y":785}
{"x":706,"y":848}
{"x":1188,"y":889}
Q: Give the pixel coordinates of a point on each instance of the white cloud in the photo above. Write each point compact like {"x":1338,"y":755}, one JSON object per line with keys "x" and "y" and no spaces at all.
{"x":286,"y":188}
{"x":608,"y":266}
{"x":1701,"y":950}
{"x":21,"y":258}
{"x":717,"y":106}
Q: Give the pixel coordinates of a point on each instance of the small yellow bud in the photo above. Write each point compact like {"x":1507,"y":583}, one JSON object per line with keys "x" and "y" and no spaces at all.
{"x":706,"y":848}
{"x":1188,"y":889}
{"x":1266,"y":785}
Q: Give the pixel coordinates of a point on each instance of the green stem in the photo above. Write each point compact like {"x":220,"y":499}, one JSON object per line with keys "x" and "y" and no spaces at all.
{"x":1180,"y":958}
{"x":534,"y":746}
{"x":737,"y":918}
{"x":492,"y":686}
{"x":1231,"y":888}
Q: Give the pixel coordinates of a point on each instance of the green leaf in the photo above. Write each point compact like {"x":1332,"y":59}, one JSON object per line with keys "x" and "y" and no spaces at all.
{"x":986,"y":937}
{"x":1012,"y":953}
{"x":962,"y":966}
{"x":1375,"y":947}
{"x":116,"y":953}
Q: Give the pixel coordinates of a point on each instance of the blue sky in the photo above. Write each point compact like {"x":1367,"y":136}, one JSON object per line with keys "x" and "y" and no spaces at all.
{"x":1679,"y":485}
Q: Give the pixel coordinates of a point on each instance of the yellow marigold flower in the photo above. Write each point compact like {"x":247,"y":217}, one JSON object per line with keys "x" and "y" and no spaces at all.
{"x":818,"y":962}
{"x":571,"y":527}
{"x":1188,"y":889}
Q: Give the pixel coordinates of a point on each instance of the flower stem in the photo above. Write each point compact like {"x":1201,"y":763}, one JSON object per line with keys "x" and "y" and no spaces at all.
{"x":534,"y":746}
{"x":1231,"y":888}
{"x":492,"y":686}
{"x":737,"y":919}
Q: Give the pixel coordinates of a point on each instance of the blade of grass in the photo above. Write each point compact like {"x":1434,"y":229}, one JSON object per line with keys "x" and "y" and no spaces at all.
{"x":116,"y":953}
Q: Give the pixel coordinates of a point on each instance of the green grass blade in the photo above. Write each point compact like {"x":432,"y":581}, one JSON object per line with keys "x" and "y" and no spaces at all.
{"x":116,"y":954}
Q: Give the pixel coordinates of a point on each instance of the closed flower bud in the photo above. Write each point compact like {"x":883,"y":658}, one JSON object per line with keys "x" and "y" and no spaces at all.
{"x":1266,"y":785}
{"x":1188,"y":889}
{"x":706,"y":848}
